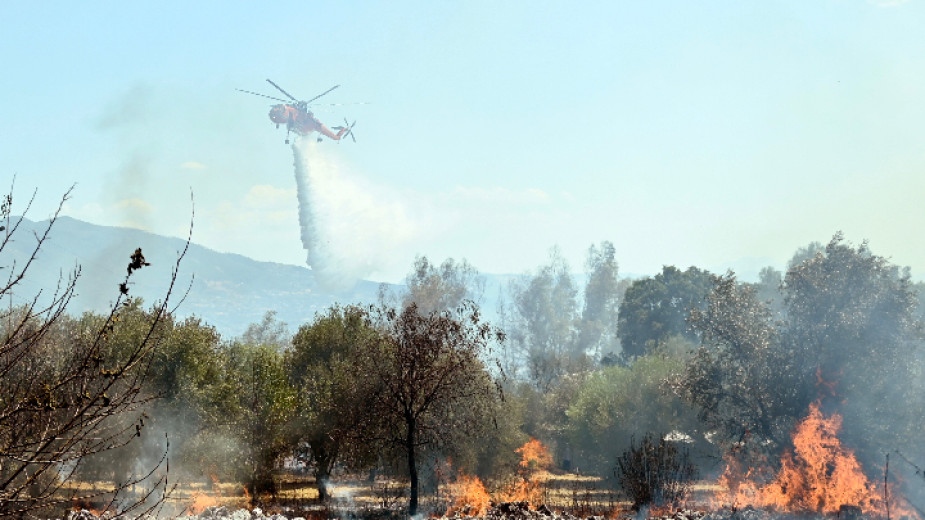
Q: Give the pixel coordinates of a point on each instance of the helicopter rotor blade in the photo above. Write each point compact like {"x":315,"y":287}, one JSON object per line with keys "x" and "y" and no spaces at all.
{"x":281,"y":90}
{"x":261,"y":95}
{"x":341,"y":104}
{"x":319,"y":95}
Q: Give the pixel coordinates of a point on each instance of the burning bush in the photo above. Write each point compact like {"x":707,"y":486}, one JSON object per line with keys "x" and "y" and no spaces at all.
{"x":655,"y":473}
{"x":534,"y":456}
{"x":469,"y":497}
{"x":819,"y":475}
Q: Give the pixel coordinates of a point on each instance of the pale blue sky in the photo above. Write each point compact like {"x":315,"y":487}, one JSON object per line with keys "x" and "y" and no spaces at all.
{"x":715,"y":134}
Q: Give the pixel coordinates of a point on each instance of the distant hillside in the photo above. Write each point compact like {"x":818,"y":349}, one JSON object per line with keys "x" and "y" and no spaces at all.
{"x":228,"y":291}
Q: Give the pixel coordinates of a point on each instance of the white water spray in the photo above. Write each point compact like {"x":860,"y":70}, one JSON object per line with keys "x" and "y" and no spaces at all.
{"x":347,"y":226}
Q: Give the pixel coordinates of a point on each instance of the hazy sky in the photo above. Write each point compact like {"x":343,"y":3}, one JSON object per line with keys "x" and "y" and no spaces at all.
{"x":715,"y":134}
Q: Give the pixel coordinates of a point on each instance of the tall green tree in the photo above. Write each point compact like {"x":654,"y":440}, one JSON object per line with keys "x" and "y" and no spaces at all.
{"x":850,"y":340}
{"x":432,"y":388}
{"x":747,"y":385}
{"x":270,"y":331}
{"x":852,"y":314}
{"x":332,"y":417}
{"x":258,"y":404}
{"x":654,"y":309}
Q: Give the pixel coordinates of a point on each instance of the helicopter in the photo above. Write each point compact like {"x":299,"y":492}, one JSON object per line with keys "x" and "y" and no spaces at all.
{"x":299,"y":119}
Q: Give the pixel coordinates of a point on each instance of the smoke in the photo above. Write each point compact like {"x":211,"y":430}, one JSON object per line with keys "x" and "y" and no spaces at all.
{"x":347,"y":226}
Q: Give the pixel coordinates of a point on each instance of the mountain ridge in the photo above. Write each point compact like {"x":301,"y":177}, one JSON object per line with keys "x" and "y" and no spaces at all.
{"x":227,"y":290}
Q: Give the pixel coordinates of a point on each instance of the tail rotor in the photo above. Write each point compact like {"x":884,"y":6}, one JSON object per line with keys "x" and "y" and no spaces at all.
{"x":348,"y":130}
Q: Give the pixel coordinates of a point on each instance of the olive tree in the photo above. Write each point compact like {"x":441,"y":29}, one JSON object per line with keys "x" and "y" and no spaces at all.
{"x":429,"y":382}
{"x":331,"y":399}
{"x":849,"y":337}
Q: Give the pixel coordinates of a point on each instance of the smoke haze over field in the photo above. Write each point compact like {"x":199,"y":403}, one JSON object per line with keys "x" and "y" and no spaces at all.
{"x":347,"y":226}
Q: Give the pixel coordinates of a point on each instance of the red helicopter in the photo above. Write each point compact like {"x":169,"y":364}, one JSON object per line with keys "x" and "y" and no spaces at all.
{"x":299,"y":119}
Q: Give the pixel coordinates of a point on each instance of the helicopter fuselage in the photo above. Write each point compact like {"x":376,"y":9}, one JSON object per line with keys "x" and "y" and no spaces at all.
{"x":300,"y":121}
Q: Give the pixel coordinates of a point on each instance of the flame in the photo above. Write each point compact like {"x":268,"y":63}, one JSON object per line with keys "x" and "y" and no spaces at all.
{"x":534,"y":456}
{"x":819,"y":475}
{"x":469,"y":497}
{"x":200,"y":503}
{"x":535,"y":459}
{"x":523,"y":490}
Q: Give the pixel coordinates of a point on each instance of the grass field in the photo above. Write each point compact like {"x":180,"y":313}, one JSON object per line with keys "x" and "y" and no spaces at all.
{"x":297,"y":495}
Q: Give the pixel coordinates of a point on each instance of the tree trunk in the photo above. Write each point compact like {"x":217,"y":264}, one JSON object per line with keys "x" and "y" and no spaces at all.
{"x":412,"y":465}
{"x":324,"y":462}
{"x":321,"y":482}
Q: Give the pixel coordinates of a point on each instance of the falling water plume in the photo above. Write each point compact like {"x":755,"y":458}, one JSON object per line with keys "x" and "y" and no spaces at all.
{"x":347,"y":225}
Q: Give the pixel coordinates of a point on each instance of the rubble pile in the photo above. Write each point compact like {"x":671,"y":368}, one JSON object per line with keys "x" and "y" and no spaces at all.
{"x":522,"y":511}
{"x":684,"y":514}
{"x":83,"y":514}
{"x":517,"y":511}
{"x":751,"y":513}
{"x":224,"y":513}
{"x":501,"y":511}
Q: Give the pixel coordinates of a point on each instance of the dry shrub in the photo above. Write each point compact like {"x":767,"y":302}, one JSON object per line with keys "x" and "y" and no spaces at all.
{"x":655,"y":473}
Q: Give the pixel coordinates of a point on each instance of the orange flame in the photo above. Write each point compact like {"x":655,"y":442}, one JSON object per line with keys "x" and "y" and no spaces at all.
{"x":819,"y":475}
{"x":523,"y":490}
{"x":534,"y":460}
{"x":469,"y":497}
{"x":200,"y":503}
{"x":534,"y":456}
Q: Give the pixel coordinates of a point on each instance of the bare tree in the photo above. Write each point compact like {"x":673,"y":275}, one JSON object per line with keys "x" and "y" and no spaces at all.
{"x":63,"y":401}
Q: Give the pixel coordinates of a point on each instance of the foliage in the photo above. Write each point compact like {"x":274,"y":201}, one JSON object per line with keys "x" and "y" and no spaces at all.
{"x":597,"y":329}
{"x":270,"y":331}
{"x":656,"y":472}
{"x":439,"y":288}
{"x":743,"y":380}
{"x":654,"y":309}
{"x":849,"y":338}
{"x":431,"y":386}
{"x":617,"y":403}
{"x":494,"y":449}
{"x":332,"y":416}
{"x":769,"y":289}
{"x":182,"y":375}
{"x":541,"y":324}
{"x":258,"y":404}
{"x":66,"y":397}
{"x":853,"y":317}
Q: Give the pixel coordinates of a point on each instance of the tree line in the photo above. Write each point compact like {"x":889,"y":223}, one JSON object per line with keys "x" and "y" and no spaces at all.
{"x":704,"y":359}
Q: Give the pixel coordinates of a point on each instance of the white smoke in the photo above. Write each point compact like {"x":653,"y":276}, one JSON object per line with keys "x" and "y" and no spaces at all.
{"x":348,"y":226}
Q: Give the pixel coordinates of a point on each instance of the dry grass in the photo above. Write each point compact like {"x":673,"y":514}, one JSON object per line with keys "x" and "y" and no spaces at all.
{"x":581,"y":495}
